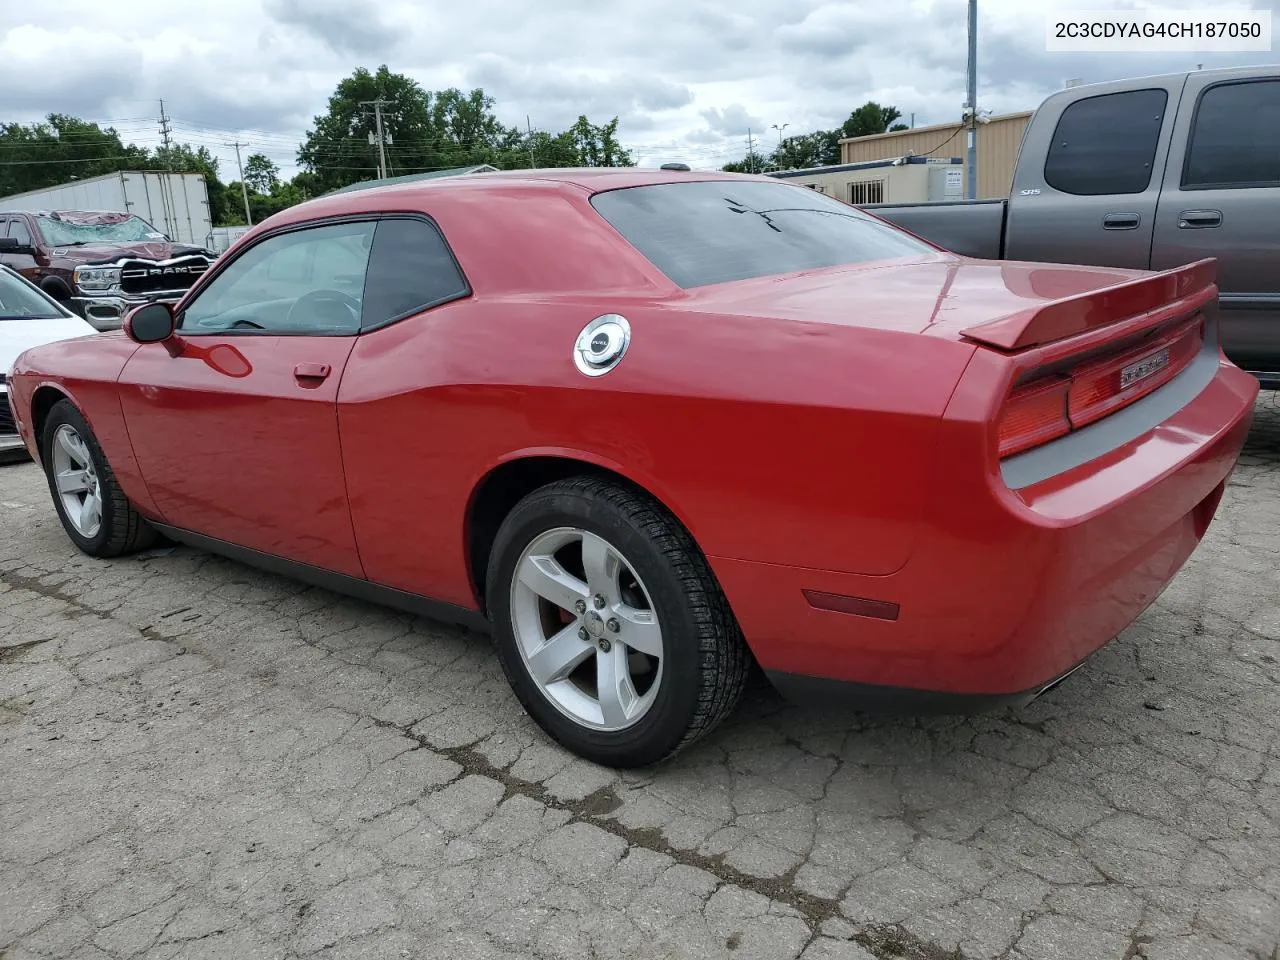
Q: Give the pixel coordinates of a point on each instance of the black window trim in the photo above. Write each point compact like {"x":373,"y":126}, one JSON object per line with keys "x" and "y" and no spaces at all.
{"x":1191,"y":133}
{"x":223,"y":263}
{"x":1164,"y":123}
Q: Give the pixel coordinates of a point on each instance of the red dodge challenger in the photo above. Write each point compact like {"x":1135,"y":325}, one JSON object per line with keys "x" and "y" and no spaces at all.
{"x":651,"y":426}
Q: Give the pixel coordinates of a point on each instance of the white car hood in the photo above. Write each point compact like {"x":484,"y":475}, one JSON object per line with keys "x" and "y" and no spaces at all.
{"x":19,"y":335}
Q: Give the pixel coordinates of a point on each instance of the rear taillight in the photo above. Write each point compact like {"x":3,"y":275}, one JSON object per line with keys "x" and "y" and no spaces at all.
{"x":1034,"y":414}
{"x":1106,"y":385}
{"x":1050,"y":407}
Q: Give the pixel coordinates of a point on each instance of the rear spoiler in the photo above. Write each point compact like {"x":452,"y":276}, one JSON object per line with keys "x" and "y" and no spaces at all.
{"x":1079,"y":314}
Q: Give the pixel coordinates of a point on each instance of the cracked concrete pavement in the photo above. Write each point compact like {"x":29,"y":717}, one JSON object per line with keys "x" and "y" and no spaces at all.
{"x":201,"y":760}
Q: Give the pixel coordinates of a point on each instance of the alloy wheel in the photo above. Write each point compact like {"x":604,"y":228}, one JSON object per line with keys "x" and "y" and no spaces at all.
{"x":586,"y":629}
{"x":77,"y":482}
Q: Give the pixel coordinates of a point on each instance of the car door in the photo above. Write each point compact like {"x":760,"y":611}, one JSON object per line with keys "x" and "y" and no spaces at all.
{"x":1094,"y":199}
{"x":237,"y":434}
{"x":1222,"y":199}
{"x":14,"y":228}
{"x":406,"y":471}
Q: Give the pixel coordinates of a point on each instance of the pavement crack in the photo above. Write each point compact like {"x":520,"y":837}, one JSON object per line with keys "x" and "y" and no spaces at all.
{"x":598,"y":809}
{"x":13,"y":651}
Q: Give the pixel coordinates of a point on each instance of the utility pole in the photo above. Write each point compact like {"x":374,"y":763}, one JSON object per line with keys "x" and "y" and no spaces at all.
{"x":379,"y":138}
{"x":244,"y":191}
{"x":971,"y":158}
{"x":751,"y":153}
{"x":529,"y":124}
{"x":167,"y":203}
{"x":165,"y":131}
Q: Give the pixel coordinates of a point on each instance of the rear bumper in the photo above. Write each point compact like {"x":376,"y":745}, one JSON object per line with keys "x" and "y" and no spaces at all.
{"x":1006,"y":591}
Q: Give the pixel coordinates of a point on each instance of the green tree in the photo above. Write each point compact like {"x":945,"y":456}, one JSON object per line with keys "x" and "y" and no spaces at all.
{"x":868,"y":119}
{"x":434,"y":130}
{"x":751,"y":163}
{"x":338,"y":152}
{"x":815,"y":149}
{"x":597,"y":145}
{"x":261,"y":174}
{"x":60,"y":149}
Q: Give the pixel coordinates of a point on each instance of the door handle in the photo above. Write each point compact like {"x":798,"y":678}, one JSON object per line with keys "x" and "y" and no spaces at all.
{"x":1199,"y":219}
{"x":311,"y":371}
{"x":1121,"y":221}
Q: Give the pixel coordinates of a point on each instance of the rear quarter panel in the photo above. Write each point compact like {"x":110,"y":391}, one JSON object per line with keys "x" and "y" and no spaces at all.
{"x":779,"y":441}
{"x":85,"y":370}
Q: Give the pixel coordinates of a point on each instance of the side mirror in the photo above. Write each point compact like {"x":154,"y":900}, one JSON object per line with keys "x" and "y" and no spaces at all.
{"x":15,"y":246}
{"x":150,"y":323}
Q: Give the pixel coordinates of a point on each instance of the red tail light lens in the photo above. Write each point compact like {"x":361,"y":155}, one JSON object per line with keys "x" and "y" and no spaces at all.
{"x":1106,"y":385}
{"x":1034,"y":414}
{"x":1050,"y":407}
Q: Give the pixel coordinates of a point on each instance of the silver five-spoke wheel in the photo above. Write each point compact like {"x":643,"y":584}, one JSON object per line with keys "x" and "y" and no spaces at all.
{"x":610,"y":626}
{"x":586,"y":629}
{"x":77,"y":481}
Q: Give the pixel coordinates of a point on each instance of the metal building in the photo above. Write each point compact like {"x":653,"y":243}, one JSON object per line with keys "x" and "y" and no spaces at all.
{"x":998,"y":142}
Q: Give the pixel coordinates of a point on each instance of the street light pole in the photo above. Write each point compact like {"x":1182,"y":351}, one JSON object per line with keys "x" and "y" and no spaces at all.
{"x":971,"y":158}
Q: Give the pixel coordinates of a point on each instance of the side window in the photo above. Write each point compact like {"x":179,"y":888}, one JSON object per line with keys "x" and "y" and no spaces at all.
{"x":411,"y":268}
{"x":1106,"y":144}
{"x":308,"y":281}
{"x":18,"y":230}
{"x":1236,"y":138}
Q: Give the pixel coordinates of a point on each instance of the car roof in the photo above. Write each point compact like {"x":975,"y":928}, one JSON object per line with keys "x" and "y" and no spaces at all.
{"x":424,"y":193}
{"x":592,"y":178}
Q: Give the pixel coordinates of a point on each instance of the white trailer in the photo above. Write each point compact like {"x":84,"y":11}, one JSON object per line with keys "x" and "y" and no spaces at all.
{"x":176,"y":204}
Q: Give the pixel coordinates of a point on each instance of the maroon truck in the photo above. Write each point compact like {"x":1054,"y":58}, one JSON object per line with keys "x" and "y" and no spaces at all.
{"x":99,"y":264}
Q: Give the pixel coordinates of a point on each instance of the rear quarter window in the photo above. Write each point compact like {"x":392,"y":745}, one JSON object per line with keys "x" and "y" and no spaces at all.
{"x":1106,"y":145}
{"x":715,"y":231}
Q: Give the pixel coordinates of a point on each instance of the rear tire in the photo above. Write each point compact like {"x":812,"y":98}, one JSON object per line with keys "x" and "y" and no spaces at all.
{"x":79,"y":477}
{"x":637,"y":611}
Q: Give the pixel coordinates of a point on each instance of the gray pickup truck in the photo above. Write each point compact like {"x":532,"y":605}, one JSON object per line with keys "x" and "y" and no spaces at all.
{"x":1148,"y":174}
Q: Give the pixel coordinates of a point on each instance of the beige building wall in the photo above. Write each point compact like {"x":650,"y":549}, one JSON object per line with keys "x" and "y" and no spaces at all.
{"x":883,"y":184}
{"x":998,"y":143}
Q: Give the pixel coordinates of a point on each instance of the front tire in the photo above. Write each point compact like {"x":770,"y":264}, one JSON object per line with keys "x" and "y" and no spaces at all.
{"x":94,"y":511}
{"x":609,"y":624}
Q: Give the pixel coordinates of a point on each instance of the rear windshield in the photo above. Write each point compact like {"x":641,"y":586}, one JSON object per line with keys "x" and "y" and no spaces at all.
{"x":714,"y":231}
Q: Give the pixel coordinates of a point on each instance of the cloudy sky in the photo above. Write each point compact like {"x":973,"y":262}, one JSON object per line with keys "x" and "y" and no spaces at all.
{"x":687,"y":77}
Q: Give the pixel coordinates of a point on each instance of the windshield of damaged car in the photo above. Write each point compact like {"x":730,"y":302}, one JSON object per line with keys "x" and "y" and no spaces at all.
{"x":20,"y":301}
{"x":719,"y":230}
{"x":69,"y":231}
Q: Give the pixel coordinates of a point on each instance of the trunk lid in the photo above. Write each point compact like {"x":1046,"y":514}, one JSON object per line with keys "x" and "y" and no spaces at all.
{"x":1001,"y":304}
